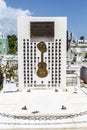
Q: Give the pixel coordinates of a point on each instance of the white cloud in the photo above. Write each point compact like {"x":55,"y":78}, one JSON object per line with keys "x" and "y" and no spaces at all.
{"x":8,"y":18}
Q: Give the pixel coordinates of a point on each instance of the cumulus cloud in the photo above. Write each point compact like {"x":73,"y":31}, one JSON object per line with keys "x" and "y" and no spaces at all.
{"x":8,"y":18}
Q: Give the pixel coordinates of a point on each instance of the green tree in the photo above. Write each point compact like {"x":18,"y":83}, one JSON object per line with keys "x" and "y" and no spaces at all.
{"x":1,"y":78}
{"x":13,"y":44}
{"x":85,"y":55}
{"x":11,"y":72}
{"x":82,"y":38}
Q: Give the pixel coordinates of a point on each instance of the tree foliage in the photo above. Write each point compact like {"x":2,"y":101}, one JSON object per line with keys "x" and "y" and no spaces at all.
{"x":11,"y":71}
{"x":82,"y":37}
{"x":13,"y":45}
{"x":1,"y":78}
{"x":85,"y":55}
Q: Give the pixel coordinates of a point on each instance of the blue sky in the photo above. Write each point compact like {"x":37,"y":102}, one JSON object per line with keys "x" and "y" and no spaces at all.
{"x":74,"y":10}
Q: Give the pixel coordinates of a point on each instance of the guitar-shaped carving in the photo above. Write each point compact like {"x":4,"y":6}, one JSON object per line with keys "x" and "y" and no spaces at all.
{"x":42,"y":71}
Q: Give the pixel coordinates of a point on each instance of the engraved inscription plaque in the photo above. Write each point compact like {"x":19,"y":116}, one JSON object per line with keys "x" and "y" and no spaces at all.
{"x":41,"y":29}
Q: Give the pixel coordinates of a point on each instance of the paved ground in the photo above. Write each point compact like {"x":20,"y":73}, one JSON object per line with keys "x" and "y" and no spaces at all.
{"x":46,"y":102}
{"x":47,"y":129}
